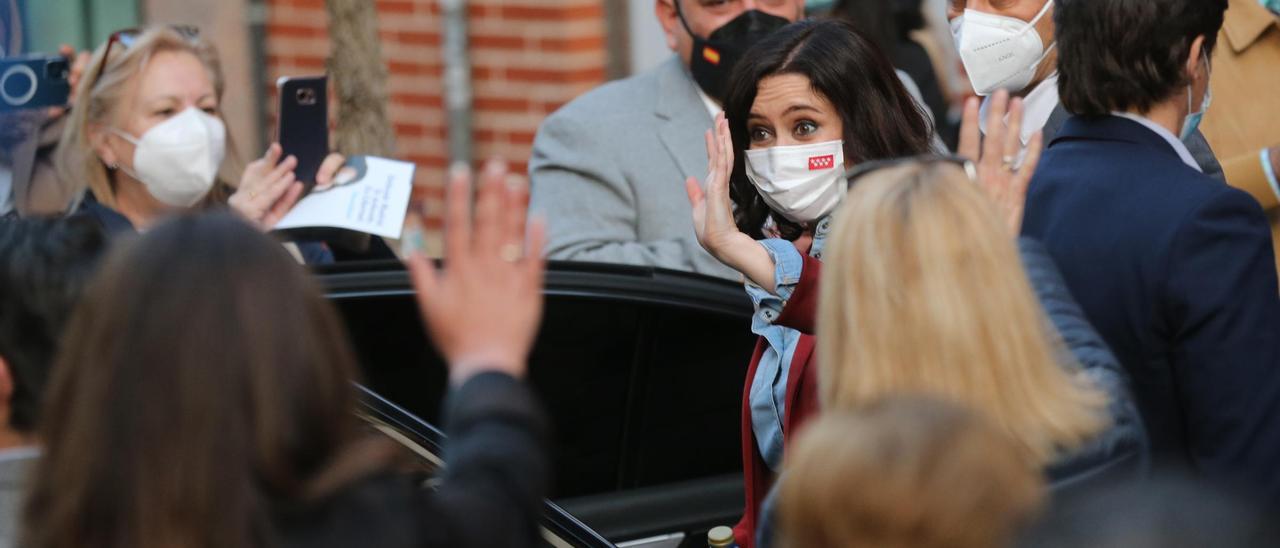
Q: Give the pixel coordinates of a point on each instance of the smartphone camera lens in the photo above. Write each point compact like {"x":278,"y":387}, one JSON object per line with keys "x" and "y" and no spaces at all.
{"x":17,"y":85}
{"x":306,"y":96}
{"x":57,"y":70}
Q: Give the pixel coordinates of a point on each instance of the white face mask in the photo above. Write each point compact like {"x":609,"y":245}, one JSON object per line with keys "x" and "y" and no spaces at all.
{"x":178,"y":159}
{"x":802,"y":183}
{"x":999,"y":52}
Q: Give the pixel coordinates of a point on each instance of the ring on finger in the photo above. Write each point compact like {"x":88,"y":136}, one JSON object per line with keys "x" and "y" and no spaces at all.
{"x":1008,"y":163}
{"x":511,"y":253}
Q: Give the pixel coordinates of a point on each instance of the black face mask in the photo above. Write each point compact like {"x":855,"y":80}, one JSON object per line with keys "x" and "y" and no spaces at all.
{"x":714,"y":57}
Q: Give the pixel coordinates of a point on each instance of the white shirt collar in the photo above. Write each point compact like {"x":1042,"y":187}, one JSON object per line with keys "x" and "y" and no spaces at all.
{"x":1174,"y":141}
{"x":713,"y":108}
{"x":1038,"y":106}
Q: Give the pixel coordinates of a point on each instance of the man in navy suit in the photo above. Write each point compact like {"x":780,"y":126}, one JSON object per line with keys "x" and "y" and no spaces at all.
{"x":1174,"y":268}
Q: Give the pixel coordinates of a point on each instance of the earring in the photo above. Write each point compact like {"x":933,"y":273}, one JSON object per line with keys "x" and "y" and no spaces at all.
{"x":113,"y":166}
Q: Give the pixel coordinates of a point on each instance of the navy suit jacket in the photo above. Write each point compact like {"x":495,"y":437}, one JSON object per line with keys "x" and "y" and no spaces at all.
{"x":1176,"y":271}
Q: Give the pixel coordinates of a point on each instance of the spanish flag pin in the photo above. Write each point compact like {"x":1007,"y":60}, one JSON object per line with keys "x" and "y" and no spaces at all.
{"x":712,"y":56}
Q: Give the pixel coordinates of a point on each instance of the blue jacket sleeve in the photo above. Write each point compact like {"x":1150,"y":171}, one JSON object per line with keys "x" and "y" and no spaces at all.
{"x":788,"y":266}
{"x":1223,"y":315}
{"x":1123,"y":449}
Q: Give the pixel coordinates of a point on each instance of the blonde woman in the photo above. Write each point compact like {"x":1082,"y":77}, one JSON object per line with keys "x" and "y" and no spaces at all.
{"x":146,"y":139}
{"x":925,"y":291}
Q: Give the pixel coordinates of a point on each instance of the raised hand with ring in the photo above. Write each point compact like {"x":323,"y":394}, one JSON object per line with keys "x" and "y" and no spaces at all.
{"x":484,"y":307}
{"x":996,"y":156}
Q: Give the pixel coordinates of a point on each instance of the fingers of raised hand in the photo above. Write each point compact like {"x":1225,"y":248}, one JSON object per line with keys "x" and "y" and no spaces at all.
{"x":971,"y":130}
{"x":517,"y":215}
{"x":458,"y":213}
{"x":1013,"y":135}
{"x":993,"y":144}
{"x":491,"y":205}
{"x":726,"y":146}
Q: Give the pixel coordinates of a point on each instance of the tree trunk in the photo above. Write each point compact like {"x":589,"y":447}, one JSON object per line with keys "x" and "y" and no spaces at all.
{"x":360,"y":79}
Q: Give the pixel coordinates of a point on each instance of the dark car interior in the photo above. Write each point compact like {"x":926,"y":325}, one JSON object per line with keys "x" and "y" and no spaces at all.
{"x":640,"y":369}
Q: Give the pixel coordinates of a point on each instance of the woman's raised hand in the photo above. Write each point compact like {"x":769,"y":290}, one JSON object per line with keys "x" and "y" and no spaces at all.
{"x":484,"y":308}
{"x":996,"y":156}
{"x":713,"y":213}
{"x":712,"y":210}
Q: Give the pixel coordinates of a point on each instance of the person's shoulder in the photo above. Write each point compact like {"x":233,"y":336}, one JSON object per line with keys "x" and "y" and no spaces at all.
{"x":1213,"y":198}
{"x":629,"y":97}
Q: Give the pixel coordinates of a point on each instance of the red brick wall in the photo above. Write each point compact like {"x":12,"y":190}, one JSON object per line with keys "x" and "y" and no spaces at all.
{"x":528,"y":58}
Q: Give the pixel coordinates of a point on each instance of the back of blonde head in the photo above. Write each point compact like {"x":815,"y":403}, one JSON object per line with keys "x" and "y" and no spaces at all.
{"x":99,"y":103}
{"x":923,"y":291}
{"x":905,"y":473}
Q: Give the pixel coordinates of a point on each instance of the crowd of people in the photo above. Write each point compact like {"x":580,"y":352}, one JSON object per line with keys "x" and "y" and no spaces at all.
{"x":1052,"y":319}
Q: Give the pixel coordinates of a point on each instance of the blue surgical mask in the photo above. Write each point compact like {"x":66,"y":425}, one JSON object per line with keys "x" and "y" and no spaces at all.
{"x":1192,"y":123}
{"x":1273,"y":5}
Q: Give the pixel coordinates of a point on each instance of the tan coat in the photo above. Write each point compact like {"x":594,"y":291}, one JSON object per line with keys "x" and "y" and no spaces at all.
{"x":1245,"y":116}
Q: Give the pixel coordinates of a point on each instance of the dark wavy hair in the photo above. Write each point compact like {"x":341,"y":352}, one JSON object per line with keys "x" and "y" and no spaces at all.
{"x":44,"y":265}
{"x":881,"y":120}
{"x":1118,"y":55}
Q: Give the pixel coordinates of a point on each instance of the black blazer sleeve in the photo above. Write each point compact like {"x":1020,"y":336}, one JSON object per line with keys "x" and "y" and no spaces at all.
{"x":1223,"y":314}
{"x":497,"y":468}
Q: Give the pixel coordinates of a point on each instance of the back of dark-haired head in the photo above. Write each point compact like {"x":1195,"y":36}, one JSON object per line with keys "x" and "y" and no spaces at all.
{"x":1121,"y":55}
{"x":204,"y":380}
{"x":1170,"y":510}
{"x":874,"y":20}
{"x":44,"y":265}
{"x":881,"y":120}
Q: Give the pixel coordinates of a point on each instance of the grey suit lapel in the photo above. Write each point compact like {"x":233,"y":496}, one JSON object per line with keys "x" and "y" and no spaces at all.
{"x":1056,"y":120}
{"x":682,"y":119}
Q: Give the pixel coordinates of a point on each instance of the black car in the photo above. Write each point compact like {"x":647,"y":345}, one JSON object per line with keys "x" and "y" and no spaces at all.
{"x":641,"y":370}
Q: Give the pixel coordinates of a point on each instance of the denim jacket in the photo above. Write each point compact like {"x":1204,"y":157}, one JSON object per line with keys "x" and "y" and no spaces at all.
{"x":768,"y":393}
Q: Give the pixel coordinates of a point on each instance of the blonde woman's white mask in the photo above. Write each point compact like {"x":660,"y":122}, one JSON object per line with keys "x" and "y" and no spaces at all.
{"x":803,"y":183}
{"x":178,"y":159}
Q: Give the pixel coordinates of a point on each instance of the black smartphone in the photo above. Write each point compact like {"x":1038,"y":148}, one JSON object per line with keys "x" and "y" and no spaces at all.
{"x":34,"y":81}
{"x":302,"y":127}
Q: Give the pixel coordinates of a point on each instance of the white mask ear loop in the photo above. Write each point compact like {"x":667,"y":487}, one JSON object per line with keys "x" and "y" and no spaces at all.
{"x":132,"y":140}
{"x":1032,"y":25}
{"x":1039,"y":16}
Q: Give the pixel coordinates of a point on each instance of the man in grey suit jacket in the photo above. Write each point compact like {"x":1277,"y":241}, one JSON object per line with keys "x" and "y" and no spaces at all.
{"x":1044,"y":112}
{"x":608,"y":169}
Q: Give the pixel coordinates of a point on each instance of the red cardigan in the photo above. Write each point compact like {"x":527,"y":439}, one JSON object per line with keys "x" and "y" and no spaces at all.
{"x":801,"y":403}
